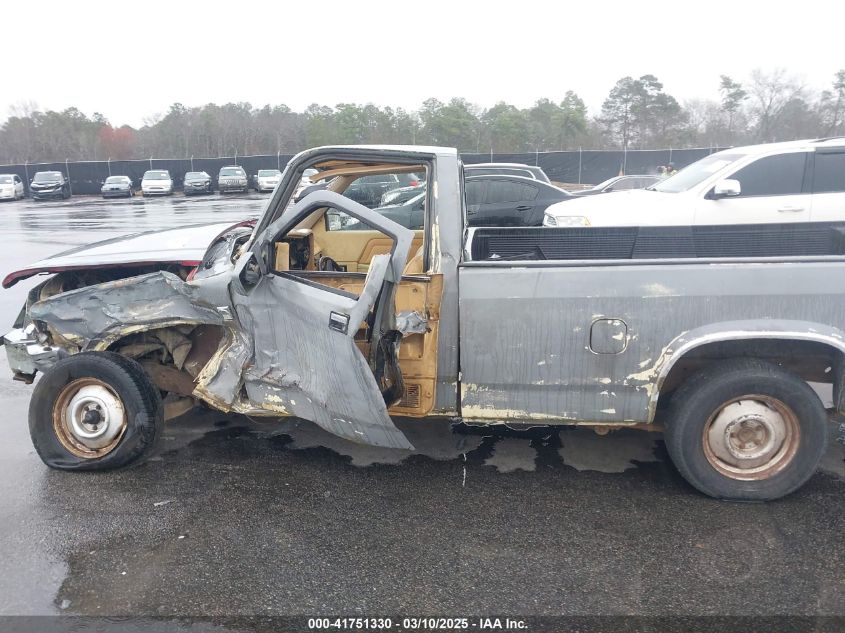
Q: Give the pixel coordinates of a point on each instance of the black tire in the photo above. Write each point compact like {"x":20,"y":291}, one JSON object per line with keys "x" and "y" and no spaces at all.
{"x":704,"y":394}
{"x":142,"y":403}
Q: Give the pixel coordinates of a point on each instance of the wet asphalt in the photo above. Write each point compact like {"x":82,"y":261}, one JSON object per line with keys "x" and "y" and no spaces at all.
{"x":236,"y":518}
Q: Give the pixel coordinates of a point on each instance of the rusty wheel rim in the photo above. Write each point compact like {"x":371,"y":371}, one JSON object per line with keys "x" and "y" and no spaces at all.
{"x":89,"y":418}
{"x":751,"y":438}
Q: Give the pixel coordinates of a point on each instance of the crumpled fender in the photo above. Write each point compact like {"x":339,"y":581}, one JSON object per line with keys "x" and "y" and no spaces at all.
{"x":95,"y":316}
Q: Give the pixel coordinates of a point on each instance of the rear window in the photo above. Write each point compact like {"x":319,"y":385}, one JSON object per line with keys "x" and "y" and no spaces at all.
{"x":157,"y":175}
{"x":829,"y":173}
{"x":380,"y":178}
{"x":5,"y":180}
{"x":504,"y":191}
{"x":113,"y":180}
{"x":268,"y":173}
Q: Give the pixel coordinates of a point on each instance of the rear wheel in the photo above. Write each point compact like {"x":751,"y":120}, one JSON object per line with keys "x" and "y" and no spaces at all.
{"x":746,"y":430}
{"x":94,"y":411}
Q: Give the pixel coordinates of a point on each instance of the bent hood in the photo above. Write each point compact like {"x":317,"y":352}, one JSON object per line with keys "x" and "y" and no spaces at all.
{"x":185,"y":246}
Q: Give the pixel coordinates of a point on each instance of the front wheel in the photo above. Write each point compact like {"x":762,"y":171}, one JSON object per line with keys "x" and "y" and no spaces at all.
{"x":94,"y":411}
{"x":746,"y":430}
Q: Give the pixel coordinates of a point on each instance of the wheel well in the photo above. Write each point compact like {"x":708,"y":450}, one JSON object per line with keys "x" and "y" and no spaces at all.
{"x":173,"y":356}
{"x":811,"y":360}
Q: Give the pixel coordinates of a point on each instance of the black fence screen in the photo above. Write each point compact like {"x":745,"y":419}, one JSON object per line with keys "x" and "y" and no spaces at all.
{"x":585,"y":167}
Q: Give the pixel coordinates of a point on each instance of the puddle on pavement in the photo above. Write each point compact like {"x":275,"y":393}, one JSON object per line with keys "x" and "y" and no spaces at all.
{"x":503,"y":448}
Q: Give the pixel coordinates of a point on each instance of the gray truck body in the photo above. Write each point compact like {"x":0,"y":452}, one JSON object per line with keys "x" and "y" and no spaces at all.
{"x":595,"y":342}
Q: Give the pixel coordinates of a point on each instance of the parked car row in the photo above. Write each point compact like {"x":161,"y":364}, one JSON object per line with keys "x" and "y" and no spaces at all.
{"x":231,"y":178}
{"x":514,"y":206}
{"x":47,"y":185}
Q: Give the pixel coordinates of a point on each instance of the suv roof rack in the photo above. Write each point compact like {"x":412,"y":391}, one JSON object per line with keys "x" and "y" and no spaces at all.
{"x":829,"y":138}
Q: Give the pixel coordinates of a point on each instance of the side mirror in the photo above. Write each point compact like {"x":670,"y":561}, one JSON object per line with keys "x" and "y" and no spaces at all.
{"x":727,"y":188}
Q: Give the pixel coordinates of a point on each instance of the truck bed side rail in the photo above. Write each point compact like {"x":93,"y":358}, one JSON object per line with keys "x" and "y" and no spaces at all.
{"x":803,"y":239}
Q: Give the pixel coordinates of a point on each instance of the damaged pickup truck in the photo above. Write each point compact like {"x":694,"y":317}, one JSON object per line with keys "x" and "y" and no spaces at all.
{"x":304,"y":313}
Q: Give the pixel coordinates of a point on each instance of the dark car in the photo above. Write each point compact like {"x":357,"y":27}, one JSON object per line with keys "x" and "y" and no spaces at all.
{"x":491,"y":201}
{"x":410,"y":214}
{"x":232,"y":178}
{"x":49,"y":184}
{"x":117,"y":187}
{"x":509,"y":200}
{"x":619,"y":183}
{"x":196,"y":182}
{"x":402,"y":194}
{"x":507,"y":169}
{"x":368,"y":190}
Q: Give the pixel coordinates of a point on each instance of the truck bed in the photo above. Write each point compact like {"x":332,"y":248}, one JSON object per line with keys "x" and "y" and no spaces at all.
{"x":658,"y":242}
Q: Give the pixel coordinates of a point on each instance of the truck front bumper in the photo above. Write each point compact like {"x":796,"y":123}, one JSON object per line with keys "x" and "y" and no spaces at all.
{"x":26,"y":355}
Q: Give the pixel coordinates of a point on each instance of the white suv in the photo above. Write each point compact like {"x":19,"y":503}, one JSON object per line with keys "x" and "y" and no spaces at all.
{"x":798,"y":181}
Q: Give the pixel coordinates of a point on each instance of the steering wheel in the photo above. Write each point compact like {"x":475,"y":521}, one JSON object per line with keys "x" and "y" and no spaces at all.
{"x":328,"y":264}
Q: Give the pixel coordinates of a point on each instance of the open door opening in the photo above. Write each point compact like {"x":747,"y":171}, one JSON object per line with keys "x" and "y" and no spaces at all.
{"x":306,"y":335}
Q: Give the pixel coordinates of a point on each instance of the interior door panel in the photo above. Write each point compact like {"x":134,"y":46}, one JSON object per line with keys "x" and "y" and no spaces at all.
{"x":355,"y":249}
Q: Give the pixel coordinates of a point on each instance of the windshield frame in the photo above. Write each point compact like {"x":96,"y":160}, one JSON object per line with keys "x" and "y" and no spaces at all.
{"x":692,"y":175}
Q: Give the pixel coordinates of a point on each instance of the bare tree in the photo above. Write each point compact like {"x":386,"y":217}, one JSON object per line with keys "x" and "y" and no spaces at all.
{"x":770,"y":94}
{"x":832,"y":106}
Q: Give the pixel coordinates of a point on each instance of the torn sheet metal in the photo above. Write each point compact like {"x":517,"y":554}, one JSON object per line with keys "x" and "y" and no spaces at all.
{"x":411,"y":322}
{"x":95,"y":316}
{"x":305,"y":368}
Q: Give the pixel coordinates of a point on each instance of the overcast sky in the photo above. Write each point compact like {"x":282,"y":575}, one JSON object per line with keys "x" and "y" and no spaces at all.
{"x":131,"y":60}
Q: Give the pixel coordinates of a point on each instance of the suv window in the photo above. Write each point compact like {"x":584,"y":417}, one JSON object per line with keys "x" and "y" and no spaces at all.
{"x":829,"y":173}
{"x":778,"y":175}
